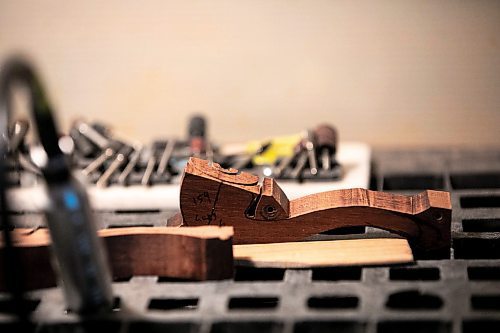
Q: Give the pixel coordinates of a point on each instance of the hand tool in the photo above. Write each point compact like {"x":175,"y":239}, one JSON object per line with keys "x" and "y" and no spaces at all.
{"x":82,"y":145}
{"x":165,"y":157}
{"x":282,"y":165}
{"x":326,"y":137}
{"x":92,"y":134}
{"x":146,"y":178}
{"x":197,"y":135}
{"x":80,"y":256}
{"x":299,"y":166}
{"x":311,"y":153}
{"x":245,"y":161}
{"x":17,"y":134}
{"x":108,"y":152}
{"x":134,"y":158}
{"x":120,"y":158}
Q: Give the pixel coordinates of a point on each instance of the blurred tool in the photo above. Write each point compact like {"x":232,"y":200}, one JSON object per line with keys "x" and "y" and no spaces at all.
{"x":246,"y":160}
{"x":82,"y":145}
{"x":165,"y":157}
{"x":120,"y":159}
{"x":197,"y":136}
{"x":311,"y":153}
{"x":17,"y":135}
{"x":92,"y":134}
{"x":109,"y":151}
{"x":79,"y":253}
{"x":146,"y":178}
{"x":326,"y":137}
{"x":134,"y":158}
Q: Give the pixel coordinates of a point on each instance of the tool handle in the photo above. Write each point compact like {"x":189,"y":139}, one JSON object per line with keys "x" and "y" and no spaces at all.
{"x":326,"y":137}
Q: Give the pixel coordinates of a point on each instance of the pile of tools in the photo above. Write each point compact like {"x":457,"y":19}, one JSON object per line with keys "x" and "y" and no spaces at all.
{"x":106,"y":160}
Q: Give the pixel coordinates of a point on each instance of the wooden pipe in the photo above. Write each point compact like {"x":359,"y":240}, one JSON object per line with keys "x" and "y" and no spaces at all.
{"x":211,"y":195}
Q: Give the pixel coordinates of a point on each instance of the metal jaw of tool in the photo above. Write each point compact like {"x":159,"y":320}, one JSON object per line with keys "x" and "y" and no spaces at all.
{"x":80,"y":256}
{"x":263,"y":214}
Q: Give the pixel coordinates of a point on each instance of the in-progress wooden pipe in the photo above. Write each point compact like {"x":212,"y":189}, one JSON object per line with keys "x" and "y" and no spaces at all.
{"x":211,"y":195}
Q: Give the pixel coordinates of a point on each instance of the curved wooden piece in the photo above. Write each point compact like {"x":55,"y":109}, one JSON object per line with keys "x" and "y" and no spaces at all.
{"x":263,"y":214}
{"x":185,"y":253}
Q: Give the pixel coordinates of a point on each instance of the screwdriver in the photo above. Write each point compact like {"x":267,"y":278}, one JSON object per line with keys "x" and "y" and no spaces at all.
{"x":82,"y":144}
{"x":92,"y":134}
{"x":134,"y":158}
{"x":301,"y":163}
{"x":311,"y":154}
{"x":283,"y":164}
{"x":146,"y":178}
{"x":326,"y":138}
{"x":196,"y":134}
{"x":108,"y":152}
{"x":120,"y":158}
{"x":165,"y":157}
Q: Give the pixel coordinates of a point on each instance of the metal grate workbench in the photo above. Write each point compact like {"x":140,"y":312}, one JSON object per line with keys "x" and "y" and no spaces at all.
{"x":461,"y":294}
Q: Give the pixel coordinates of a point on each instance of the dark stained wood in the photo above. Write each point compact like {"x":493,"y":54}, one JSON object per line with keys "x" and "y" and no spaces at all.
{"x":184,"y":253}
{"x":211,"y":195}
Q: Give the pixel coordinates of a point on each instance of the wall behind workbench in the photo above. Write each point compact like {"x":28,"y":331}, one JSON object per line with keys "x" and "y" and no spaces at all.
{"x":385,"y":72}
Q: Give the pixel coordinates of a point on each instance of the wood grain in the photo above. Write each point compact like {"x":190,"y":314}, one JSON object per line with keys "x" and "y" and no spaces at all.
{"x":384,"y":251}
{"x":184,"y":253}
{"x":211,"y":195}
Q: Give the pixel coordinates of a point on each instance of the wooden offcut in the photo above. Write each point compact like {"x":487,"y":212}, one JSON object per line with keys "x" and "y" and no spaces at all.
{"x":350,"y":252}
{"x":198,"y":253}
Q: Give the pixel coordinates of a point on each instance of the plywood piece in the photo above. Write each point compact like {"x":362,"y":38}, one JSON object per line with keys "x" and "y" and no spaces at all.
{"x":350,"y":252}
{"x":198,"y":253}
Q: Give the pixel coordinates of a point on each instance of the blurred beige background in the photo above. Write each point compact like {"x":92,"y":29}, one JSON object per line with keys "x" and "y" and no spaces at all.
{"x":385,"y":72}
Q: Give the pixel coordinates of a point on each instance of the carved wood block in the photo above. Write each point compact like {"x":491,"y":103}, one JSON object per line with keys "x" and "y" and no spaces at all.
{"x":185,"y":253}
{"x":211,"y":195}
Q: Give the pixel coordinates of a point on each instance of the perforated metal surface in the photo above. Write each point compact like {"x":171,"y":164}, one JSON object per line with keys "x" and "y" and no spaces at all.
{"x":461,"y":294}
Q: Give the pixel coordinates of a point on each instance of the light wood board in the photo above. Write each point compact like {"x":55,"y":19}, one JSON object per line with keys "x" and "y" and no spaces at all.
{"x":350,"y":252}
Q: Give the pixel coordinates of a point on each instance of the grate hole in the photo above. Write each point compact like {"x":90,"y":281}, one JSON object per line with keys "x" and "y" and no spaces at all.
{"x":333,"y":302}
{"x":168,"y":279}
{"x":7,"y":306}
{"x":478,"y":180}
{"x":336,"y":273}
{"x":122,"y":278}
{"x":413,"y":300}
{"x":19,"y":327}
{"x":159,"y":327}
{"x":413,"y":182}
{"x":89,"y":325}
{"x":258,"y":274}
{"x":412,"y":326}
{"x":167,"y":304}
{"x":483,"y":273}
{"x":485,"y":302}
{"x":346,"y":231}
{"x":118,"y":226}
{"x":476,"y":248}
{"x":137,"y":211}
{"x":246,"y":327}
{"x":481,"y":225}
{"x":329,"y":326}
{"x":414,"y":274}
{"x":240,"y":303}
{"x":491,"y":201}
{"x":482,"y":326}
